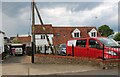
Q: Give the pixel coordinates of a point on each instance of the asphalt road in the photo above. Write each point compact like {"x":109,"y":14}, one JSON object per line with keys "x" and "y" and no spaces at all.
{"x":96,"y":72}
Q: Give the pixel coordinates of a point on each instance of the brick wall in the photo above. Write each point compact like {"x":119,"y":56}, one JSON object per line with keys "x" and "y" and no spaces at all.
{"x":55,"y":59}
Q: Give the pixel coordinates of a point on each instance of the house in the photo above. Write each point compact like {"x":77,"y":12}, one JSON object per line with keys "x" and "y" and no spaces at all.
{"x":23,"y":39}
{"x":40,"y":38}
{"x":6,"y":41}
{"x":2,"y":34}
{"x":60,"y":35}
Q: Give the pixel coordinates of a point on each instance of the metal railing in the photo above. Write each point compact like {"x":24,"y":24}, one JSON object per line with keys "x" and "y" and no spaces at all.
{"x":104,"y":53}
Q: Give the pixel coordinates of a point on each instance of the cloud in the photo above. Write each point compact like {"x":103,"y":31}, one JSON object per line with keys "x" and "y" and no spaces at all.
{"x":74,"y":6}
{"x":17,"y":18}
{"x":12,"y":8}
{"x":18,"y":24}
{"x":1,"y":16}
{"x":61,"y":0}
{"x":62,"y":16}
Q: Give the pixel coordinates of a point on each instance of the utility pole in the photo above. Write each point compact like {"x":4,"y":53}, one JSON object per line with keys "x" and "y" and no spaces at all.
{"x":33,"y":32}
{"x":40,"y":19}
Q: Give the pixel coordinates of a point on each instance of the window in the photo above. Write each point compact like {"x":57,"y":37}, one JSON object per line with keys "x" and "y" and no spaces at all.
{"x":93,"y":34}
{"x":93,"y":43}
{"x":108,"y":42}
{"x":42,"y":36}
{"x":58,"y":34}
{"x":81,"y":43}
{"x":76,"y":35}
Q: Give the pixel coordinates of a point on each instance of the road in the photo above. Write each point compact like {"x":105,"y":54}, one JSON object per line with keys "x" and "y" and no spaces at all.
{"x":95,"y":72}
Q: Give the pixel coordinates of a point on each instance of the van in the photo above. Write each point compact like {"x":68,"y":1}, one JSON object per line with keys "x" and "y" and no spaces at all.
{"x":17,"y":49}
{"x":99,"y":47}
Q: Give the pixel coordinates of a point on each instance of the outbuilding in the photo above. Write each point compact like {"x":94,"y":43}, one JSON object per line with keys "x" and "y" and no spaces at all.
{"x":1,"y":41}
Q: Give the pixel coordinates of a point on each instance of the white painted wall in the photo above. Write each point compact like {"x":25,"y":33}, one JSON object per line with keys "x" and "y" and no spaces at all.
{"x":1,"y":43}
{"x":41,"y":42}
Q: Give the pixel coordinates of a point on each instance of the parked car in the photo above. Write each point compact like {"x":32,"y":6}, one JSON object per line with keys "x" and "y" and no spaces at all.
{"x":62,"y":49}
{"x":99,"y":47}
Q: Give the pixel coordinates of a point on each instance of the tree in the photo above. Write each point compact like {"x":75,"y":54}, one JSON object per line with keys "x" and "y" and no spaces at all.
{"x":117,"y":37}
{"x":105,"y":30}
{"x":15,"y":40}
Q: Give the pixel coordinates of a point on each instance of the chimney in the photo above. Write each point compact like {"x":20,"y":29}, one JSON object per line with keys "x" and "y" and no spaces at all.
{"x":17,"y":35}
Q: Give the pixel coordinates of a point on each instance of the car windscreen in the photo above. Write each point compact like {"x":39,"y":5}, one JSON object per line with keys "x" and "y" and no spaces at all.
{"x":108,"y":42}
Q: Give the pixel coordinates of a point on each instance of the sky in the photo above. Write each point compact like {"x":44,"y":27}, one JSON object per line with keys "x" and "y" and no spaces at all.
{"x":16,"y":16}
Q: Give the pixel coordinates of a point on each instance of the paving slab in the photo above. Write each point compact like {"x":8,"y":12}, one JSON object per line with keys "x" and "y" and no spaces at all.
{"x":14,"y":69}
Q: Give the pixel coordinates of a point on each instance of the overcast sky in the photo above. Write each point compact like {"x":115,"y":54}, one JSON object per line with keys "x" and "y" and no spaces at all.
{"x":16,"y":16}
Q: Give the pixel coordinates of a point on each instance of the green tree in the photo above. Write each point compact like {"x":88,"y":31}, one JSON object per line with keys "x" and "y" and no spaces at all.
{"x":117,"y":37}
{"x":105,"y":30}
{"x":15,"y":40}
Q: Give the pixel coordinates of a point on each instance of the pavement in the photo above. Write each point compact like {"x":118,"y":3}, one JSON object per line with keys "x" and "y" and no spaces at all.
{"x":0,"y":69}
{"x":42,"y":69}
{"x":25,"y":67}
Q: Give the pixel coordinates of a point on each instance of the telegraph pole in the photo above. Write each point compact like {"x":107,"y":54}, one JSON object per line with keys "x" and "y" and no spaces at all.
{"x":34,"y":7}
{"x":33,"y":32}
{"x":40,"y":19}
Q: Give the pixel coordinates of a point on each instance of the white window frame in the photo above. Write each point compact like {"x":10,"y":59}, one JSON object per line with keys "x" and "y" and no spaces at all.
{"x":76,"y":35}
{"x":75,"y":32}
{"x":93,"y":33}
{"x":42,"y":36}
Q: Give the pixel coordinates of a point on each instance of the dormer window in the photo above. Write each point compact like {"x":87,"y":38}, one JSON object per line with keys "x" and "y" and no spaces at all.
{"x":76,"y":33}
{"x":93,"y":33}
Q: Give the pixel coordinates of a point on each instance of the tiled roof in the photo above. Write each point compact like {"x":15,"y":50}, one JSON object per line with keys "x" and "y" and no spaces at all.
{"x":39,"y":29}
{"x":24,"y":39}
{"x":65,"y":33}
{"x":68,"y":30}
{"x":62,"y":34}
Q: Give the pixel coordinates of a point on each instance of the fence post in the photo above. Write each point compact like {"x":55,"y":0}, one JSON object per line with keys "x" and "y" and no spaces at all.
{"x":45,"y":49}
{"x":32,"y":53}
{"x":103,"y":51}
{"x":72,"y":50}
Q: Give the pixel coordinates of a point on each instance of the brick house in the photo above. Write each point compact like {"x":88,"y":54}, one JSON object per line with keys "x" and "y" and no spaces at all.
{"x":40,"y":38}
{"x":59,"y":35}
{"x":22,"y":39}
